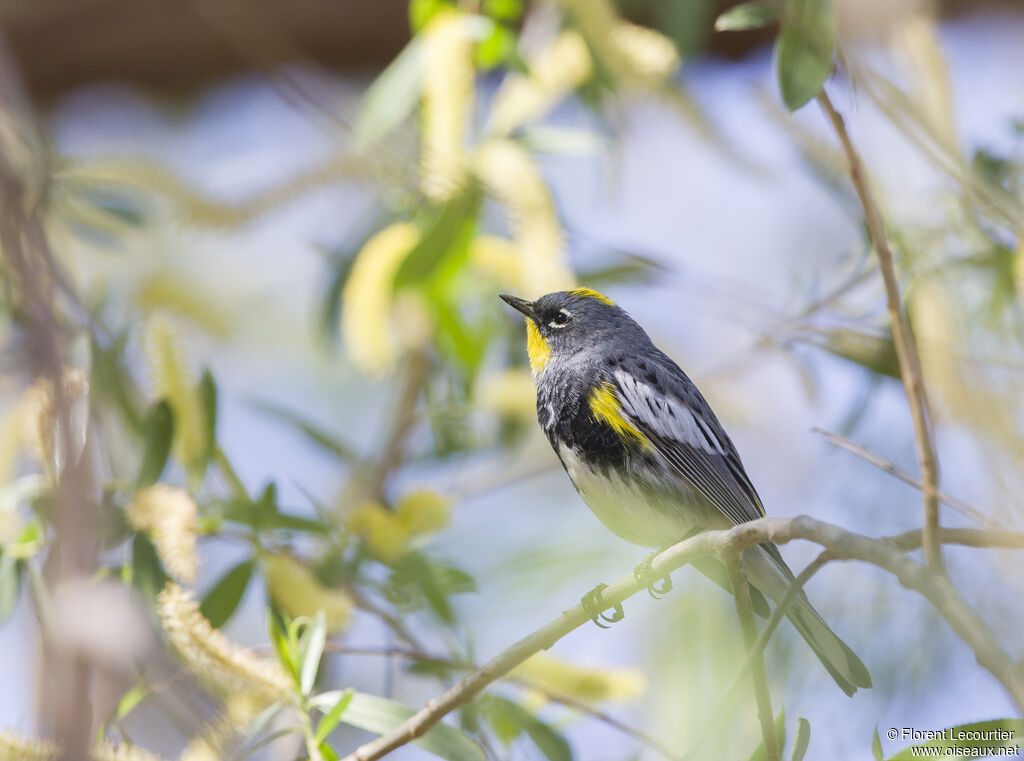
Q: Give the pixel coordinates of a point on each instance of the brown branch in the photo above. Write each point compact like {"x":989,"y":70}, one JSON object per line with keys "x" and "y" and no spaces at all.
{"x":745,"y":611}
{"x":555,"y":697}
{"x":906,"y":352}
{"x":841,"y":545}
{"x":894,"y":470}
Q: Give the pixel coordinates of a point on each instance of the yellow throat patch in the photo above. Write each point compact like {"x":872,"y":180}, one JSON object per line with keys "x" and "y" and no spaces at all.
{"x":591,"y":293}
{"x":537,"y":347}
{"x":605,"y":408}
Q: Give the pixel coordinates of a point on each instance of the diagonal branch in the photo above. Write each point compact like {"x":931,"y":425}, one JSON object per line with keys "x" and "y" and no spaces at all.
{"x":906,"y":352}
{"x":840,"y":544}
{"x":897,"y":472}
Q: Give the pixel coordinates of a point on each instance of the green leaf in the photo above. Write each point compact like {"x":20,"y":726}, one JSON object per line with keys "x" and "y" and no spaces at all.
{"x":208,"y":402}
{"x":380,"y":715}
{"x":562,"y":141}
{"x":780,"y":737}
{"x":329,"y":753}
{"x":803,"y":50}
{"x":449,"y":229}
{"x":130,"y":700}
{"x":10,"y":586}
{"x":746,"y":16}
{"x":221,"y":601}
{"x":331,"y":719}
{"x":802,"y":739}
{"x":495,"y":48}
{"x":509,"y":720}
{"x":285,"y":653}
{"x":390,"y":99}
{"x":876,"y":746}
{"x":504,"y":10}
{"x":311,"y":649}
{"x":158,"y":432}
{"x":148,"y":575}
{"x":422,"y":11}
{"x":311,"y":430}
{"x":979,"y":739}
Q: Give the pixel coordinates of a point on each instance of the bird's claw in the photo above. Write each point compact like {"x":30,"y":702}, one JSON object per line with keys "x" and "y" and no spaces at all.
{"x":597,"y":615}
{"x":656,"y":588}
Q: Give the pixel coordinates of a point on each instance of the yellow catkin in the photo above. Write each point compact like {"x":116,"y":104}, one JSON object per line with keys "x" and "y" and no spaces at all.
{"x":367,"y":299}
{"x":298,"y":592}
{"x":171,"y":516}
{"x":554,"y":72}
{"x":422,"y":511}
{"x":174,"y":380}
{"x":381,"y":531}
{"x":634,"y":56}
{"x":213,"y":744}
{"x":937,"y":335}
{"x":917,"y":39}
{"x":210,"y":654}
{"x":510,"y":394}
{"x":497,"y":259}
{"x":170,"y":293}
{"x":447,"y":103}
{"x":18,"y":747}
{"x":510,"y":176}
{"x":35,"y":412}
{"x":591,"y":684}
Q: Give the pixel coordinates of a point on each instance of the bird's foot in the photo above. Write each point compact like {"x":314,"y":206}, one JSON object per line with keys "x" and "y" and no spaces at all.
{"x":597,"y":615}
{"x":656,"y":588}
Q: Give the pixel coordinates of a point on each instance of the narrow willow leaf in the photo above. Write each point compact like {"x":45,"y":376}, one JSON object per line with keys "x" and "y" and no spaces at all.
{"x":312,"y":649}
{"x":740,"y":18}
{"x":131,"y":699}
{"x":221,"y":601}
{"x":10,"y":586}
{"x":147,"y":573}
{"x":801,"y":740}
{"x":331,"y":719}
{"x":446,"y":238}
{"x":876,"y":746}
{"x":208,"y":402}
{"x":158,"y":433}
{"x":509,"y":720}
{"x":380,"y":715}
{"x":780,"y":738}
{"x":391,"y":98}
{"x":803,"y":51}
{"x":311,"y":430}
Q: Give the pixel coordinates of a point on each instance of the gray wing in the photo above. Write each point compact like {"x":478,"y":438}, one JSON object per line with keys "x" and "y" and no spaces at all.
{"x":667,"y":408}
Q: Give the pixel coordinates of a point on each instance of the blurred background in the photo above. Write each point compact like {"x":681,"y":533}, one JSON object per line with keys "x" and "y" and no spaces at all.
{"x":254,"y":362}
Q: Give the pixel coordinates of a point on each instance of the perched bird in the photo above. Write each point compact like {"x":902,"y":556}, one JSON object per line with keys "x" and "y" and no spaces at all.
{"x":648,"y":455}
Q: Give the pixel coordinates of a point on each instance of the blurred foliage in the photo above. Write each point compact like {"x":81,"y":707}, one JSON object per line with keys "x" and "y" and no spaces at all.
{"x":412,"y":305}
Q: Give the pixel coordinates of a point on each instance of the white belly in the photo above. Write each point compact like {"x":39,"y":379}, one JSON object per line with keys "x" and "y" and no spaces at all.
{"x":648,"y":517}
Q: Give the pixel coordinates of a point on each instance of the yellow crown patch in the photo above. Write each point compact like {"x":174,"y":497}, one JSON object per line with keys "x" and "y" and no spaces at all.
{"x":592,"y":294}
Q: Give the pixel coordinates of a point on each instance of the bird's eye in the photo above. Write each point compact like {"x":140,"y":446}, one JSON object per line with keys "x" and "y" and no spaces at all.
{"x":560,"y":320}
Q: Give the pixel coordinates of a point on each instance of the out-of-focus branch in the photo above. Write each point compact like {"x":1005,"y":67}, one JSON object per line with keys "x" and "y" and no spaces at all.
{"x":906,"y":352}
{"x":34,"y":277}
{"x":840,"y":544}
{"x":745,"y":611}
{"x":894,"y":470}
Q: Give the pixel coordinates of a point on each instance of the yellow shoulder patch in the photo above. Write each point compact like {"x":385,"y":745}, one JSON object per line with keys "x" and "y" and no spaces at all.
{"x":591,"y":293}
{"x":605,"y":408}
{"x":537,"y":347}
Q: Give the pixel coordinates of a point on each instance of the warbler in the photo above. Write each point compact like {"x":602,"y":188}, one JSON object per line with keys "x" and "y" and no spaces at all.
{"x":647,"y":454}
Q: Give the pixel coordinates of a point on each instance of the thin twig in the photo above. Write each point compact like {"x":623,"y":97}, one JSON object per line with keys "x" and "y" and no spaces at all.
{"x":906,"y":353}
{"x":841,"y":544}
{"x":745,"y":611}
{"x":755,"y":652}
{"x":894,"y":470}
{"x":554,"y":697}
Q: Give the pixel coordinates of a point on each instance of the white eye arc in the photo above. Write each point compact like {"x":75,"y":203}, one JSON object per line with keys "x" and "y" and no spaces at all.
{"x":561,"y":319}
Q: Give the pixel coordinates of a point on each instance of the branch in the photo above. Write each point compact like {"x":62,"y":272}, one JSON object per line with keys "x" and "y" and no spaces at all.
{"x":745,"y":611}
{"x":894,"y":470}
{"x":841,"y":545}
{"x":906,"y":352}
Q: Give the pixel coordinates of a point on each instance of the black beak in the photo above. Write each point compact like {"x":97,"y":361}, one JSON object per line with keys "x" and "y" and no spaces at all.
{"x":520,"y":305}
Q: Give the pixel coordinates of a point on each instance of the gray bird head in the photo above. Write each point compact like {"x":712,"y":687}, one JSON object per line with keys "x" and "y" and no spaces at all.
{"x":567,"y":323}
